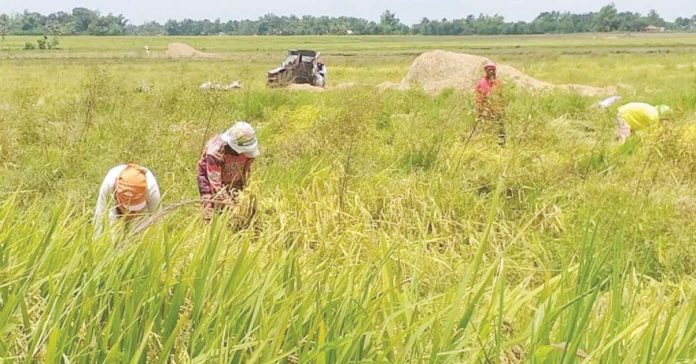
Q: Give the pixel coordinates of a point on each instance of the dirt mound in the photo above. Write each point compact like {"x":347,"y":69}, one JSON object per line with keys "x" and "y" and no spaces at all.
{"x":437,"y":70}
{"x":184,"y":50}
{"x":305,"y":87}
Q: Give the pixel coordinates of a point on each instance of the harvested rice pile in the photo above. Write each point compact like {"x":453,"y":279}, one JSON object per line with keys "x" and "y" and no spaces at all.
{"x":437,"y":70}
{"x":184,"y":50}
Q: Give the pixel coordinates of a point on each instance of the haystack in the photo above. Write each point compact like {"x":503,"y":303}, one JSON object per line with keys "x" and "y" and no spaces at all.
{"x":438,"y":70}
{"x":184,"y":50}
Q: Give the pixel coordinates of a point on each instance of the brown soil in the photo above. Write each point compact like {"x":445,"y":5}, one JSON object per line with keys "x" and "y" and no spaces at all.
{"x":184,"y":50}
{"x":437,"y":70}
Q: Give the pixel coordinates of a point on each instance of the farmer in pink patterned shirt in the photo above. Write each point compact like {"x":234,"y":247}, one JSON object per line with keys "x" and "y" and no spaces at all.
{"x":224,"y":167}
{"x":490,"y":102}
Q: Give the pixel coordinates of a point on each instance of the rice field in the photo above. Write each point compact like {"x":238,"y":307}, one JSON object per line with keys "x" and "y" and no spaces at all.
{"x":379,"y":226}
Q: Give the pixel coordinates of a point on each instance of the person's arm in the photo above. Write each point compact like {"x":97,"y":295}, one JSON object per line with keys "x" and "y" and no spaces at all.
{"x":153,"y":193}
{"x":623,"y":129}
{"x":106,"y":192}
{"x":214,"y":172}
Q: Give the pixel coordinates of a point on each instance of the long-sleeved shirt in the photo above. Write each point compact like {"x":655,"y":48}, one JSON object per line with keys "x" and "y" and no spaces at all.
{"x":221,"y":170}
{"x":106,"y":198}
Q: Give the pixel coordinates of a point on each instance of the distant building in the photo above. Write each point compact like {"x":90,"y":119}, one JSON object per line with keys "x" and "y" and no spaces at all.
{"x":654,"y":29}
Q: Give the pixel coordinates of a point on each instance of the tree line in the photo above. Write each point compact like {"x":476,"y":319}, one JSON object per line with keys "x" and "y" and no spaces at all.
{"x":82,"y":21}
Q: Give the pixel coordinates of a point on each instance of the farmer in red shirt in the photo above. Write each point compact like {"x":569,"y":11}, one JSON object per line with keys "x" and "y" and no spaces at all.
{"x":490,"y":104}
{"x":224,"y":167}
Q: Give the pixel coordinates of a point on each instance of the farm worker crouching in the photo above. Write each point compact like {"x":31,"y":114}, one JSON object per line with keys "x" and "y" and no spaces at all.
{"x":490,"y":103}
{"x":636,"y":116}
{"x":224,"y":167}
{"x":128,"y":191}
{"x":320,"y":74}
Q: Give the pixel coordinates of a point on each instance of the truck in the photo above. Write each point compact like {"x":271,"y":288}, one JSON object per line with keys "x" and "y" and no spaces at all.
{"x":300,"y":66}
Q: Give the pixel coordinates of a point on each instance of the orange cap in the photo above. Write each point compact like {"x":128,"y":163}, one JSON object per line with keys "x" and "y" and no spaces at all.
{"x":131,"y":188}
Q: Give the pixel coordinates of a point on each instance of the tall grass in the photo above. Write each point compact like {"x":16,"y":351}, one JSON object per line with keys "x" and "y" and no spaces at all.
{"x":301,"y":292}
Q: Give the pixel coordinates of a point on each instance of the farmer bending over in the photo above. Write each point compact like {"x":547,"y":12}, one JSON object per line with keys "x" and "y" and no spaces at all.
{"x":224,"y":167}
{"x":128,"y":191}
{"x":636,"y":116}
{"x":490,"y":103}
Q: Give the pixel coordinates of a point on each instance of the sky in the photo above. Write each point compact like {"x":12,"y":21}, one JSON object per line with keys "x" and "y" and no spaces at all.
{"x":409,"y":11}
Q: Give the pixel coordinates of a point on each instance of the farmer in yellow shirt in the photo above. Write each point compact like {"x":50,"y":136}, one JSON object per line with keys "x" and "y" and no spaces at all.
{"x":635,"y":116}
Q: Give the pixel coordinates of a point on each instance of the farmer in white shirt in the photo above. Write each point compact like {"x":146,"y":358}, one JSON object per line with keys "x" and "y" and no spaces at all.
{"x":320,"y":73}
{"x":128,"y":191}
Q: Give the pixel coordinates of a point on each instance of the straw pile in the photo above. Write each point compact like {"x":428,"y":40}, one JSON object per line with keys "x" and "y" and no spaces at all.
{"x":438,"y":70}
{"x":177,"y":50}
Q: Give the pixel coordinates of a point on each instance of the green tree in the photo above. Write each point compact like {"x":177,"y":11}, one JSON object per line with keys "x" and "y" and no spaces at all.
{"x":56,"y":31}
{"x":390,"y":24}
{"x":489,"y":25}
{"x":682,"y":23}
{"x":86,"y":21}
{"x":32,"y":23}
{"x":83,"y":18}
{"x":655,"y":19}
{"x":547,"y":22}
{"x":607,"y":20}
{"x":4,"y":28}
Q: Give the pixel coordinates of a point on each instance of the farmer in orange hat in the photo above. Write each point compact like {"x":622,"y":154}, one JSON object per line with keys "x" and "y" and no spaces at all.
{"x":224,"y":167}
{"x":490,"y":104}
{"x":128,"y":190}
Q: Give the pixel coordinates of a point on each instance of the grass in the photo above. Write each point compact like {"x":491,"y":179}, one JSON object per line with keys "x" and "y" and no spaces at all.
{"x":351,"y":45}
{"x":383,"y":233}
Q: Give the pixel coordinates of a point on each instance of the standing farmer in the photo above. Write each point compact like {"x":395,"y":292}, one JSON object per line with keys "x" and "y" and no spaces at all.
{"x":636,"y":116}
{"x":224,"y":167}
{"x":128,"y":191}
{"x":490,"y":105}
